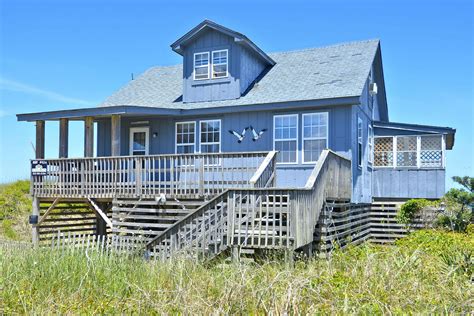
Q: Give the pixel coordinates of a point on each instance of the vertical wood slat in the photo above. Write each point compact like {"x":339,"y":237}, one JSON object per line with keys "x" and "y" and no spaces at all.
{"x":63,"y":137}
{"x":40,"y":132}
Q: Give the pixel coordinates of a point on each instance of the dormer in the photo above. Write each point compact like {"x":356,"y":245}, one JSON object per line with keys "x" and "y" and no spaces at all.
{"x":218,"y":63}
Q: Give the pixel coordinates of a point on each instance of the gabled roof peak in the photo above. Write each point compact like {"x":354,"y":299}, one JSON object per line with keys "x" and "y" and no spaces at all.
{"x":238,"y":38}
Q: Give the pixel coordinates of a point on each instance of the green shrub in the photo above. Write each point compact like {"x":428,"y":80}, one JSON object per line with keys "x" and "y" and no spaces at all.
{"x":470,"y":229}
{"x":458,"y":213}
{"x":411,"y":209}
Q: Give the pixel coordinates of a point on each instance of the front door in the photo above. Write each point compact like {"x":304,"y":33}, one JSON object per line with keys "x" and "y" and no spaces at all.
{"x":139,"y":146}
{"x":139,"y":141}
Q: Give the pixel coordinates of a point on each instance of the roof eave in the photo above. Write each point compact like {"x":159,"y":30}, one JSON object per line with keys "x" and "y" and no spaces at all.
{"x":239,"y":38}
{"x":77,"y":114}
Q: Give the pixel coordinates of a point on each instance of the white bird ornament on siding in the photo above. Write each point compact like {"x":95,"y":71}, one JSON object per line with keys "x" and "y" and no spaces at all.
{"x":257,"y":136}
{"x":240,"y":136}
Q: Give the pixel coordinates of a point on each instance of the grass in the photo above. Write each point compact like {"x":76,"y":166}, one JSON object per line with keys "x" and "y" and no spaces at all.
{"x":15,"y":206}
{"x":423,"y":273}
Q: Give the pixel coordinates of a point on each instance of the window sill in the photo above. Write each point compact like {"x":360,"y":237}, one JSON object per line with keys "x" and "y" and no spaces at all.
{"x":210,"y":81}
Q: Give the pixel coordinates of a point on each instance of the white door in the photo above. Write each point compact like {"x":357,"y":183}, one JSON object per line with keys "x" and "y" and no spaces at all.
{"x":139,"y":146}
{"x":139,"y":141}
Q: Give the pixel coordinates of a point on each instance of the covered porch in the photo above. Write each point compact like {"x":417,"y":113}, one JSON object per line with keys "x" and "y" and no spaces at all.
{"x":409,"y":160}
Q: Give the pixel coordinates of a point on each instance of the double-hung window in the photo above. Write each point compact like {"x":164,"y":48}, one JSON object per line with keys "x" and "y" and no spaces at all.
{"x":359,"y":142}
{"x":315,"y":136}
{"x":185,"y":137}
{"x":210,"y":136}
{"x":219,"y":63}
{"x":201,"y":66}
{"x":285,"y":138}
{"x":371,"y":143}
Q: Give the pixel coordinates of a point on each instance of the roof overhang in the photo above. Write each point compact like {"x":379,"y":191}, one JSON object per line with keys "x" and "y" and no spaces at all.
{"x":97,"y":112}
{"x":239,"y":38}
{"x":416,"y":128}
{"x":129,"y":110}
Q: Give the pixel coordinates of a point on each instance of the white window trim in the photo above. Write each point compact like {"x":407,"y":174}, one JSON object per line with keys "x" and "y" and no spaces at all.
{"x":176,"y":136}
{"x":147,"y":138}
{"x":418,"y":153}
{"x":208,"y":66}
{"x":211,"y":143}
{"x":313,"y":138}
{"x":370,"y":130}
{"x":360,"y":141}
{"x":288,"y":139}
{"x":218,"y":64}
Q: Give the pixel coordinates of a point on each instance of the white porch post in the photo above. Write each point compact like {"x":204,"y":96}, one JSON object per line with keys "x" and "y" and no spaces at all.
{"x":89,"y":136}
{"x":115,"y":134}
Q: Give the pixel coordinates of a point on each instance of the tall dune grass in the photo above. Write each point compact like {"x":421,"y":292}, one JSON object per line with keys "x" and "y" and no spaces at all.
{"x":412,"y":277}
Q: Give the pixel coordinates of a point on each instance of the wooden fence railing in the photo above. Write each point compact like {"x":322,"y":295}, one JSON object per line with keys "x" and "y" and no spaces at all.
{"x":187,"y":175}
{"x":260,"y":217}
{"x":203,"y":232}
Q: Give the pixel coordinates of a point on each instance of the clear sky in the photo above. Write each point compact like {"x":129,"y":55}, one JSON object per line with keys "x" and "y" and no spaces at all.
{"x":70,"y":54}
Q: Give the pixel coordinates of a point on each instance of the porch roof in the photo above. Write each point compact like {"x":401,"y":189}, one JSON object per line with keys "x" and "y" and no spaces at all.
{"x":130,"y":110}
{"x":396,"y":127}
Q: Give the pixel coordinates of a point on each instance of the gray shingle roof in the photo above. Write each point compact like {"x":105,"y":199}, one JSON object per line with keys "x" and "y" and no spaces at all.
{"x":319,"y":73}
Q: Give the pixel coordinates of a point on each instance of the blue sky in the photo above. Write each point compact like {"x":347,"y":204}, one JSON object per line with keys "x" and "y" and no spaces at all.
{"x":69,"y":54}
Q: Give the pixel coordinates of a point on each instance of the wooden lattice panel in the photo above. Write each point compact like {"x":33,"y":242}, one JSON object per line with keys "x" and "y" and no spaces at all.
{"x":431,"y":154}
{"x":383,"y":151}
{"x":406,"y":151}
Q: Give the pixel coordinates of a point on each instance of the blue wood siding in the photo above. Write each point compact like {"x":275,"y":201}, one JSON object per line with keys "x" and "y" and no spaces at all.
{"x":250,"y":68}
{"x":406,"y":183}
{"x":287,"y":175}
{"x":243,"y":68}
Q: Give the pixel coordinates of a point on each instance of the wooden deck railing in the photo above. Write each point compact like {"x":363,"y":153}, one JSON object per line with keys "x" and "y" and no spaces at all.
{"x":260,"y":217}
{"x":187,"y":175}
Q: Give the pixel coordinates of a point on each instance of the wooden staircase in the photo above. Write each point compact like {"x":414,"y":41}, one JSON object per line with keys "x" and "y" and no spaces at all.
{"x":144,"y":219}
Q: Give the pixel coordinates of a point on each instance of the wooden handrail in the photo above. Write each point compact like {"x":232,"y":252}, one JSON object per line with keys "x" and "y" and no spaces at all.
{"x":189,"y":175}
{"x":268,"y":162}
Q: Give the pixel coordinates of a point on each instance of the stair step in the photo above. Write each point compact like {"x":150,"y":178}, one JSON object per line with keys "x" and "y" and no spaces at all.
{"x":150,"y":210}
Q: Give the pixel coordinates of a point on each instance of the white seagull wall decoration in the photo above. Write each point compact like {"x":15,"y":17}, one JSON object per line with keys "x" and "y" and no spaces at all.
{"x":257,"y":136}
{"x":240,"y":137}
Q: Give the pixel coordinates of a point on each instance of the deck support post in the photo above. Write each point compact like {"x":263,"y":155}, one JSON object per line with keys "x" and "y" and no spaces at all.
{"x":63,"y":137}
{"x":115,"y":134}
{"x":101,"y":225}
{"x":235,"y":255}
{"x":39,"y":149}
{"x":35,"y":228}
{"x":289,"y":258}
{"x":88,"y":136}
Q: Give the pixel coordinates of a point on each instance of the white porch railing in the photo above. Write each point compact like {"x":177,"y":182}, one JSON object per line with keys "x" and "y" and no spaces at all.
{"x":187,"y":175}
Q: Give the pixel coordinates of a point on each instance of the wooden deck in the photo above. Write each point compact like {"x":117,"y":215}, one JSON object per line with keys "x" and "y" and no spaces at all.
{"x":204,"y":204}
{"x":193,"y":175}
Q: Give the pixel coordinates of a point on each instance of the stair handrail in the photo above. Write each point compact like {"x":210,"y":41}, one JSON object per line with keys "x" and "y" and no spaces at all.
{"x":331,"y":177}
{"x":266,"y":172}
{"x":186,"y":219}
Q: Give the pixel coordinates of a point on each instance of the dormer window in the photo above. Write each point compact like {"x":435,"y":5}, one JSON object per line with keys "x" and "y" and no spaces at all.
{"x":219,"y":63}
{"x":201,"y":66}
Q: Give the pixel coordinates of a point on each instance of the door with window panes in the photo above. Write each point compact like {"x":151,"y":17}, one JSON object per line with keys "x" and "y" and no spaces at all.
{"x":139,"y":146}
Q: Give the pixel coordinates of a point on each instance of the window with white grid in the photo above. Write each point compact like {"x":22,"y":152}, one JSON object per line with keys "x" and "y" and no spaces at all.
{"x":210,"y":136}
{"x":315,"y":135}
{"x":371,"y":143}
{"x":219,"y":63}
{"x":201,"y":66}
{"x":285,"y":137}
{"x":185,"y":137}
